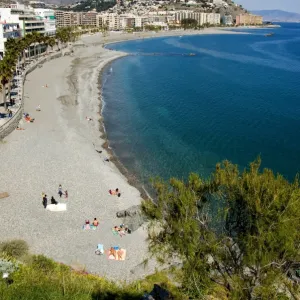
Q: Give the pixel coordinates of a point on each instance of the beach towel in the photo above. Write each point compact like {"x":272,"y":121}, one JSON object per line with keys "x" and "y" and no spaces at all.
{"x":100,"y":249}
{"x":58,"y":207}
{"x":117,"y":254}
{"x":115,"y":232}
{"x":89,"y":226}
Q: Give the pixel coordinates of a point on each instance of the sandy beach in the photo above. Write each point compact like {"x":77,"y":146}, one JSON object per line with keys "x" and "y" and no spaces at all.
{"x":60,"y":148}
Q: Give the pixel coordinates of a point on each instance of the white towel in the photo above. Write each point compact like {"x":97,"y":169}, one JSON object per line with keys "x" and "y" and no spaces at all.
{"x":58,"y":207}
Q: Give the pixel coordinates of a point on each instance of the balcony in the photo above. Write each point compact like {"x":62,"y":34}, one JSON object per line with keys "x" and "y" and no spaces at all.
{"x":12,"y":34}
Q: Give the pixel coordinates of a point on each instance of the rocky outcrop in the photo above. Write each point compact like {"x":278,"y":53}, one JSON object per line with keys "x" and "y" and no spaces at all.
{"x":132,"y":217}
{"x":158,"y":293}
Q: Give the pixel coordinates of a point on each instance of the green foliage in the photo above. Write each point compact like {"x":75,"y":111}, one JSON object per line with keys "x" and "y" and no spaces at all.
{"x":189,"y":23}
{"x":237,"y":230}
{"x":14,"y":248}
{"x":42,"y":263}
{"x":152,"y":28}
{"x":99,"y":5}
{"x":42,"y":278}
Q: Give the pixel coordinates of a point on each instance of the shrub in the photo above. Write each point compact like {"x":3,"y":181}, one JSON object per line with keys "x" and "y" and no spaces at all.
{"x":14,"y":248}
{"x":43,"y":263}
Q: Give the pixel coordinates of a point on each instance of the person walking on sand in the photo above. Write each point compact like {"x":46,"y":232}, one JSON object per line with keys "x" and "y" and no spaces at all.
{"x":66,"y":194}
{"x":45,"y":201}
{"x":60,"y":193}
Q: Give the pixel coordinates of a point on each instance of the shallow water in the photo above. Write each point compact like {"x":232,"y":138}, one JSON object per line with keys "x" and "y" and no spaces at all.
{"x":237,"y":98}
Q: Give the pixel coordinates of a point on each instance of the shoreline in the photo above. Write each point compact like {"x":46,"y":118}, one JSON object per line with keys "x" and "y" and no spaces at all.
{"x":132,"y":179}
{"x":62,"y":147}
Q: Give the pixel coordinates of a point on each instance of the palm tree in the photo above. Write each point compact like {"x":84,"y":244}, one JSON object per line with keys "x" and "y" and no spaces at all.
{"x":52,"y":42}
{"x":29,"y":39}
{"x":36,"y":38}
{"x":6,"y":74}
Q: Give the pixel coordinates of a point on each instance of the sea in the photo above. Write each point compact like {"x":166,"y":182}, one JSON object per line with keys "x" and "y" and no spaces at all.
{"x":181,"y":104}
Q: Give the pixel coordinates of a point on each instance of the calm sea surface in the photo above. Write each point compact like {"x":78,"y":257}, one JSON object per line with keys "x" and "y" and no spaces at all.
{"x":237,"y":98}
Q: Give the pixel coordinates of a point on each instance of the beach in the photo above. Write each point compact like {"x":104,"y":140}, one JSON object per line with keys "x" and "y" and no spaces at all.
{"x":63,"y":147}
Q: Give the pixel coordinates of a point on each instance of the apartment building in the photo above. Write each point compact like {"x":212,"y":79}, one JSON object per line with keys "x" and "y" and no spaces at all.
{"x":111,"y":21}
{"x":248,"y":19}
{"x":88,"y":18}
{"x":201,"y":18}
{"x":48,"y":17}
{"x":67,"y":18}
{"x":227,"y":20}
{"x":25,"y":17}
{"x":8,"y":30}
{"x":213,"y":19}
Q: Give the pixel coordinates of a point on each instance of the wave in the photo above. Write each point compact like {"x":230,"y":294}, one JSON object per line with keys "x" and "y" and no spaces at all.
{"x":281,"y":44}
{"x":275,"y":62}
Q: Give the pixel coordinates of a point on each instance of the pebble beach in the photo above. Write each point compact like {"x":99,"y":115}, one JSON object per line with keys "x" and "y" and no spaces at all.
{"x":63,"y":147}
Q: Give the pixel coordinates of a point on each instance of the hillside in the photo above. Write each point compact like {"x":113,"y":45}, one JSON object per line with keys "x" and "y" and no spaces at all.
{"x":221,"y":6}
{"x":278,"y":15}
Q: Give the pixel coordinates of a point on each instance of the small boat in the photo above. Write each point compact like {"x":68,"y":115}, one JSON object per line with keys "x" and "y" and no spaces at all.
{"x":269,"y":34}
{"x":192,"y":54}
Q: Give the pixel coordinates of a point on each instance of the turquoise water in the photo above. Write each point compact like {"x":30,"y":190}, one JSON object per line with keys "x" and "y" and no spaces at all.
{"x":237,"y":98}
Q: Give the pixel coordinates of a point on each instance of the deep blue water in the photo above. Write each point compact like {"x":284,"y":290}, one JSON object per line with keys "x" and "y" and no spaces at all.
{"x":237,"y":98}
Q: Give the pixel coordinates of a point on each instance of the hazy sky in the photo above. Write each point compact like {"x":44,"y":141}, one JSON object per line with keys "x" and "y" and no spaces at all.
{"x":288,"y":5}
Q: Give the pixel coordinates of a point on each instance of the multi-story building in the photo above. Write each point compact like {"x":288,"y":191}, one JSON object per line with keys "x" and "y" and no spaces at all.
{"x":213,"y":19}
{"x":67,"y":18}
{"x":227,"y":20}
{"x":48,"y":17}
{"x":88,"y":18}
{"x":8,"y":30}
{"x":25,"y":17}
{"x":111,"y":21}
{"x":248,"y":19}
{"x":201,"y":18}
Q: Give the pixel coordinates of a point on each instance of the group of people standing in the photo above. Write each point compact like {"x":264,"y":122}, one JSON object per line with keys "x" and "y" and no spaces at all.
{"x":53,"y":201}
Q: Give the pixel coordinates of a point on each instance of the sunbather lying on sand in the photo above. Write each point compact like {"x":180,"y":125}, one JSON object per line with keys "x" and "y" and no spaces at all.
{"x":120,"y":230}
{"x":53,"y":201}
{"x":28,"y":118}
{"x":112,"y":254}
{"x":115,"y":192}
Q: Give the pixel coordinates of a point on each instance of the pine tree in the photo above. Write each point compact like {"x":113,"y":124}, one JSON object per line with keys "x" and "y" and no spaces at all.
{"x":238,"y":231}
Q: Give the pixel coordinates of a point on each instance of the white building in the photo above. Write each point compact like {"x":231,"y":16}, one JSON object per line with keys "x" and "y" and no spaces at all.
{"x":213,"y":19}
{"x":227,"y":20}
{"x":8,"y":30}
{"x":48,"y":17}
{"x":111,"y":21}
{"x":201,"y":18}
{"x":25,"y":17}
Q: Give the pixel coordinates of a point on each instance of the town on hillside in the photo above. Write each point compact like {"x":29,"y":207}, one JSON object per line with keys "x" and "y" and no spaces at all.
{"x":35,"y":16}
